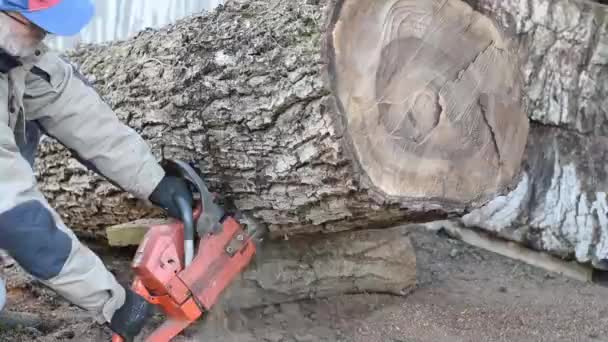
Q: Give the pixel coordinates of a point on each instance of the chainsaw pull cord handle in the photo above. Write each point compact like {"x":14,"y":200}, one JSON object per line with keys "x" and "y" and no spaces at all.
{"x":187,"y":219}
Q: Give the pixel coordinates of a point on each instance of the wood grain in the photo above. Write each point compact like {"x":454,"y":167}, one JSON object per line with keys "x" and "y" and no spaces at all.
{"x":430,"y":93}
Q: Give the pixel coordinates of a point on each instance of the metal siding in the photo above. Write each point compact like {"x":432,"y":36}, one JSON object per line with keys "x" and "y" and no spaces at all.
{"x":120,"y":19}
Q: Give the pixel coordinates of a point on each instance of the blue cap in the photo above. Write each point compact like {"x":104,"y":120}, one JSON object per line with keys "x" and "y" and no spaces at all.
{"x":60,"y":17}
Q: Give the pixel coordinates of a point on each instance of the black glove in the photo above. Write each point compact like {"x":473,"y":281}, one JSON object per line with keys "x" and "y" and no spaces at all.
{"x":131,"y":317}
{"x":165,"y":193}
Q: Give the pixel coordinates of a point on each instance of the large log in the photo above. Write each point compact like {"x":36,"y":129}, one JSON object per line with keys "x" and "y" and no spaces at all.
{"x":313,"y":116}
{"x":560,"y":204}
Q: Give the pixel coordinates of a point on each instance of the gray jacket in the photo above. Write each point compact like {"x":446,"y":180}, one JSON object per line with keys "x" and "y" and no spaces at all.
{"x":45,"y":92}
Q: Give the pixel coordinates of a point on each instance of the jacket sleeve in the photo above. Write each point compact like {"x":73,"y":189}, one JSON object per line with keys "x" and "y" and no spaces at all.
{"x":70,"y":110}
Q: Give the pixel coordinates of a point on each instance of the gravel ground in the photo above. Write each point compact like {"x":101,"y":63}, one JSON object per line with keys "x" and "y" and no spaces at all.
{"x":464,"y":294}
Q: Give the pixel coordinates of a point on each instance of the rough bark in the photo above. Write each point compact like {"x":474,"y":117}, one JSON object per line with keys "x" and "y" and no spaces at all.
{"x":560,"y":204}
{"x":563,"y":46}
{"x":258,"y":94}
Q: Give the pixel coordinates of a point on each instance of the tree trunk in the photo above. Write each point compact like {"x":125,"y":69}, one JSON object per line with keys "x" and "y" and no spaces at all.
{"x":560,"y":204}
{"x":314,"y":116}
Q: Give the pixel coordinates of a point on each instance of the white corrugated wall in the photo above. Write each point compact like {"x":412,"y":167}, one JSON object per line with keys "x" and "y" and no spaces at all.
{"x":119,"y":19}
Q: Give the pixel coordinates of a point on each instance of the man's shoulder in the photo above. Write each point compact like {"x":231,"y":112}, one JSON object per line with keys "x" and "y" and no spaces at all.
{"x":59,"y":66}
{"x":50,"y":66}
{"x":49,"y":60}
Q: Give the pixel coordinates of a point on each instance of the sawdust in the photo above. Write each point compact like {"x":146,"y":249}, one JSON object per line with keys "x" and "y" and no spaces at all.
{"x":465,"y":294}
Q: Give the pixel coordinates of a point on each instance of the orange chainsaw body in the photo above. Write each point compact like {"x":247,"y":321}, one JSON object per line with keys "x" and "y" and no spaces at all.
{"x":185,"y":293}
{"x":185,"y":280}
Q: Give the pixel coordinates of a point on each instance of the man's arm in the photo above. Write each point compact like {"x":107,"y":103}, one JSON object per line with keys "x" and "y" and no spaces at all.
{"x":70,"y":110}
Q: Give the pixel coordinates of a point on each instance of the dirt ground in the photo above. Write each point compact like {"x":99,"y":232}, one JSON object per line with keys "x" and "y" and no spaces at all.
{"x":464,"y":294}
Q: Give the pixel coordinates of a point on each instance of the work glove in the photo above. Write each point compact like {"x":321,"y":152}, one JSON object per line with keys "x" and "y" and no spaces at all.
{"x":130,"y":318}
{"x":165,"y":193}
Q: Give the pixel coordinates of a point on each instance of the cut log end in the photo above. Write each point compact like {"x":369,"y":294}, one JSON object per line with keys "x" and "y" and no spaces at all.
{"x":429,"y":96}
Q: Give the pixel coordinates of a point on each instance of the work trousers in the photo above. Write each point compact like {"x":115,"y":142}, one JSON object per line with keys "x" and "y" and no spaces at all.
{"x":36,"y":237}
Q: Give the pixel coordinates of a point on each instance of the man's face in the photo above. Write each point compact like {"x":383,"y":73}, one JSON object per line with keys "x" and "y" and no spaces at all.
{"x":18,"y":36}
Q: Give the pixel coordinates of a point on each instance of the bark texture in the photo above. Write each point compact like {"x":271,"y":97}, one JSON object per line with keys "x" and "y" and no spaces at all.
{"x":245,"y":92}
{"x":563,"y":46}
{"x":560,"y":204}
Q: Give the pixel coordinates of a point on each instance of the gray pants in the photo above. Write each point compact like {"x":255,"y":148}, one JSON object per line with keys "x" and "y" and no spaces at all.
{"x":28,"y":151}
{"x":36,"y":237}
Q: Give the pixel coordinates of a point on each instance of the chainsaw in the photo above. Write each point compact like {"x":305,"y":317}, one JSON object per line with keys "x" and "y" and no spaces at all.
{"x":183,"y":278}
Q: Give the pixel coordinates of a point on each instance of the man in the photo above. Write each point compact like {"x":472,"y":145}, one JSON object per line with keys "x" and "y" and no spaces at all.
{"x":41,"y":93}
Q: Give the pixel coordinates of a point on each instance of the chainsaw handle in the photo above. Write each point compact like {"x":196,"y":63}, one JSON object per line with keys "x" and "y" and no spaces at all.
{"x":187,"y":218}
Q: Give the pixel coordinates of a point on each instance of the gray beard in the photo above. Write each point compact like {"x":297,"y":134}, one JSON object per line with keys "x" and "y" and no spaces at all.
{"x":11,"y":43}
